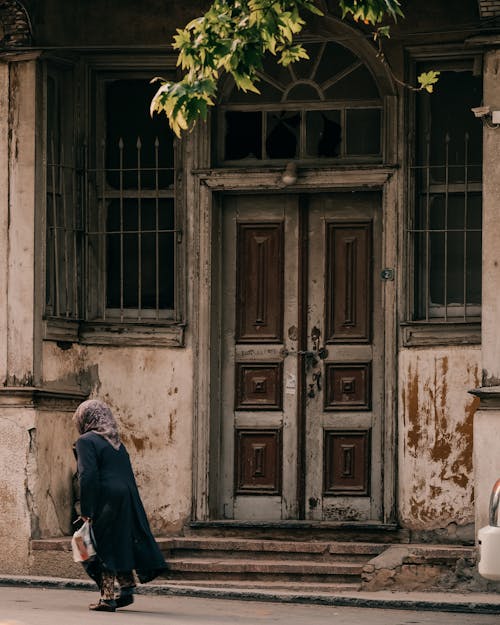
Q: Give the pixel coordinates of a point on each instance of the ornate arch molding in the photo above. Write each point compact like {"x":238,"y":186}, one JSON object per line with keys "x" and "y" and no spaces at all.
{"x":330,"y":27}
{"x":15,"y":24}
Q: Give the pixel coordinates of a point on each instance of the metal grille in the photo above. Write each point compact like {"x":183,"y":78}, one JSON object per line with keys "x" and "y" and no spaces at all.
{"x":130,"y":232}
{"x":445,"y":231}
{"x":64,"y":235}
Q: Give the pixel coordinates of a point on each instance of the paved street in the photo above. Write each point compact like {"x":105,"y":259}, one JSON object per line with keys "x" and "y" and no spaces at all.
{"x":37,"y":606}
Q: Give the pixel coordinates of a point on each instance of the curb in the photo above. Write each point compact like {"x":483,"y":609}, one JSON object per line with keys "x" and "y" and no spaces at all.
{"x":360,"y":600}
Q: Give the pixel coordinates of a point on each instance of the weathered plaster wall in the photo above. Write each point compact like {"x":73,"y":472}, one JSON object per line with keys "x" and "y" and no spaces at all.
{"x":150,"y":392}
{"x":55,"y":465}
{"x":17,"y":485}
{"x":435,"y":437}
{"x":487,"y":422}
{"x":21,"y":209}
{"x":4,"y":212}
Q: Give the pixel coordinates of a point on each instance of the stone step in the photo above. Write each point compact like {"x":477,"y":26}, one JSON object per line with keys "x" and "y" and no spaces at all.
{"x":331,"y":531}
{"x":290,"y":586}
{"x":286,"y":550}
{"x":241,"y":568}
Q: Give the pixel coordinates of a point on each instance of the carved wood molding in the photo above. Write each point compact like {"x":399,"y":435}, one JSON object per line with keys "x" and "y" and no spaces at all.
{"x":309,"y":179}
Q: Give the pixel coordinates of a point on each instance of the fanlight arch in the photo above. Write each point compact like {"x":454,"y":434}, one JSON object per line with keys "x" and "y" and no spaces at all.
{"x":330,"y":106}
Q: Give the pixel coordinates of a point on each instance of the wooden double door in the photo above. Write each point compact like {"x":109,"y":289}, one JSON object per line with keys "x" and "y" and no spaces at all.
{"x":301,"y":336}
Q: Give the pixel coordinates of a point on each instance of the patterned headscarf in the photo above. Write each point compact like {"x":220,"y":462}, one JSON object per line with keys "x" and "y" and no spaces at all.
{"x":94,"y":415}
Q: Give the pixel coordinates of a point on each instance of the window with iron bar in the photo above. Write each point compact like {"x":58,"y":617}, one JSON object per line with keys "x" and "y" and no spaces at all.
{"x":64,"y":224}
{"x":444,"y":228}
{"x":116,"y":261}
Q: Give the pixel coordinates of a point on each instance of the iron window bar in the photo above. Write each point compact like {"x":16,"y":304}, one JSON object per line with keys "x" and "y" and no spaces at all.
{"x":445,"y":181}
{"x":64,"y":236}
{"x":127,"y":184}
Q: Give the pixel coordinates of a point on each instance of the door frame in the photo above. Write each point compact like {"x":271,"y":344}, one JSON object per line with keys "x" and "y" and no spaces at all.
{"x":209,"y":186}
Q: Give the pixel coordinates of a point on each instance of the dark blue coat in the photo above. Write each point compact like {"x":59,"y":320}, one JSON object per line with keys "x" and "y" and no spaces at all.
{"x":109,"y":496}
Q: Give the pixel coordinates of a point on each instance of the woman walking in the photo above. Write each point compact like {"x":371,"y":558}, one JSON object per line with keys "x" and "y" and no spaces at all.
{"x":110,"y":500}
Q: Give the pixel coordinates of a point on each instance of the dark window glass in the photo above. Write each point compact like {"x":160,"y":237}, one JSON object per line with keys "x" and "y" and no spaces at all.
{"x":303,"y":92}
{"x":283,"y":132}
{"x":447,"y":131}
{"x":335,"y":60}
{"x":267,"y":93}
{"x":136,"y":143}
{"x":142,"y":235}
{"x":447,"y":219}
{"x":323,"y":133}
{"x":363,"y":131}
{"x":305,"y":67}
{"x":357,"y":85}
{"x":243,"y":135}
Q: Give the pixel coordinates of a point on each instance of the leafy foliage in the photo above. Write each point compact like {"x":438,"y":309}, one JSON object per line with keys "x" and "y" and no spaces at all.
{"x":233,"y":37}
{"x":427,"y":80}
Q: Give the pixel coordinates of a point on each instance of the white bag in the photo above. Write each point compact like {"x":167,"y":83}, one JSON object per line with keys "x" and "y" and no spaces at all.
{"x":82,"y":543}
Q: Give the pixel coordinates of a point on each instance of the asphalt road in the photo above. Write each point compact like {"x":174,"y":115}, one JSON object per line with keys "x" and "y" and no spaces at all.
{"x":38,"y":606}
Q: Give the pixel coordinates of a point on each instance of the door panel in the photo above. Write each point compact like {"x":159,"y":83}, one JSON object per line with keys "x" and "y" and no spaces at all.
{"x":344,"y":377}
{"x":329,"y":430}
{"x":259,"y":304}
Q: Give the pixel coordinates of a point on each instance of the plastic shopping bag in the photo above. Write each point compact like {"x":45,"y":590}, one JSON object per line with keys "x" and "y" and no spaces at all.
{"x":82,"y":543}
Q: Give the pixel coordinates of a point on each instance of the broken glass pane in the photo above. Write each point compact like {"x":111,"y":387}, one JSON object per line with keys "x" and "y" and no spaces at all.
{"x":243,"y":135}
{"x":283,"y":132}
{"x":363,"y":131}
{"x":323,"y":133}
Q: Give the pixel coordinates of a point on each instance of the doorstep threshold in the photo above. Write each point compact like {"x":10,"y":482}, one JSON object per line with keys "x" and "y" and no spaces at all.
{"x":296,"y":524}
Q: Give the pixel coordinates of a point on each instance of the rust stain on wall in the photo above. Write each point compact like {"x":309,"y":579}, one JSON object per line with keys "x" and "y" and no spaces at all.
{"x":462,"y":466}
{"x":172,"y":422}
{"x":438,"y":418}
{"x":412,"y":405}
{"x":137,"y":442}
{"x":441,"y":450}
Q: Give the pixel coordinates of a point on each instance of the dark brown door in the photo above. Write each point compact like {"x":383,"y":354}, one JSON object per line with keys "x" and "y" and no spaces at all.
{"x":301,"y":353}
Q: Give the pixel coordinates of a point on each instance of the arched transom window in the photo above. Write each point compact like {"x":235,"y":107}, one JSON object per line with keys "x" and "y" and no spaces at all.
{"x":326,"y":107}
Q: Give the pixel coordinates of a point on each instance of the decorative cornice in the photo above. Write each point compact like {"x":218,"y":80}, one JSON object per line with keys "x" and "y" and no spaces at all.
{"x":60,"y":400}
{"x":307,"y":178}
{"x":489,"y":8}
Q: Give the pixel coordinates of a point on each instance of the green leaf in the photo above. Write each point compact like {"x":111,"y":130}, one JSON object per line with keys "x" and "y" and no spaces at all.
{"x":427,"y":80}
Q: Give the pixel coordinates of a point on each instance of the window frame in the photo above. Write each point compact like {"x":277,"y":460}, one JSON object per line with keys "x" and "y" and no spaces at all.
{"x":165,"y":329}
{"x":433,"y":330}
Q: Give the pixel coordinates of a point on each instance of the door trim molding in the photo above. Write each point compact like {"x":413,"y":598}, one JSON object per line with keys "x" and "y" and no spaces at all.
{"x":309,"y":179}
{"x":207,"y":184}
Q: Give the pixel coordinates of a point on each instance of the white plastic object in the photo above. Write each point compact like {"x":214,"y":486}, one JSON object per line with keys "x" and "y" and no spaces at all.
{"x":495,"y":117}
{"x":82,"y":543}
{"x":489,"y":552}
{"x":489,"y":540}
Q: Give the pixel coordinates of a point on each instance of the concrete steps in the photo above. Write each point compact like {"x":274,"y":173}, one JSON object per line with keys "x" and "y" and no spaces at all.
{"x":266,"y":585}
{"x":294,"y":565}
{"x":254,"y":560}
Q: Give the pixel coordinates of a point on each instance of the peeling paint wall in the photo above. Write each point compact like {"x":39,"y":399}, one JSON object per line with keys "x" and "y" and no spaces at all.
{"x":150,"y":392}
{"x":16,"y":487}
{"x":435,"y":436}
{"x":55,"y":468}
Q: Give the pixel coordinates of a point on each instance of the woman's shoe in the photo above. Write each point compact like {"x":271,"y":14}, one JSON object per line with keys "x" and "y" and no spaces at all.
{"x":103,"y":605}
{"x":124,"y":600}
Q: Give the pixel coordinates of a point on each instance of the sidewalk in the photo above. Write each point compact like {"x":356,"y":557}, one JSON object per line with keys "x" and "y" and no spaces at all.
{"x":476,"y":603}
